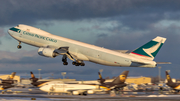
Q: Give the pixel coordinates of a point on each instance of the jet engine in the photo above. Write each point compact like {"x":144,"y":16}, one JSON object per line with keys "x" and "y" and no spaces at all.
{"x":90,"y":92}
{"x":47,"y":52}
{"x":75,"y":93}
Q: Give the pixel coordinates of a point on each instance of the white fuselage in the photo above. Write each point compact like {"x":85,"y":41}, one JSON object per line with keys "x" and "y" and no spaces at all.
{"x":65,"y":88}
{"x":86,"y":52}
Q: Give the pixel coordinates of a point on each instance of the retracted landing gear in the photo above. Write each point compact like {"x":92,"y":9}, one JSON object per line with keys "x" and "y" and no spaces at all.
{"x":19,"y":46}
{"x":64,"y":60}
{"x":78,"y":63}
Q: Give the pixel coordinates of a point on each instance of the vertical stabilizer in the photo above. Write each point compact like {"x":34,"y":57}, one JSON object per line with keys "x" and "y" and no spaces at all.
{"x":101,"y":80}
{"x":150,"y":49}
{"x":11,"y":77}
{"x":33,"y":78}
{"x":169,"y":80}
{"x":121,"y":78}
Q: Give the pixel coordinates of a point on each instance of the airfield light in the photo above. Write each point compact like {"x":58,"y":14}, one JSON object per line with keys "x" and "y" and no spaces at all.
{"x":159,"y":73}
{"x":63,"y":74}
{"x":39,"y":73}
{"x":101,"y":70}
{"x":168,"y":71}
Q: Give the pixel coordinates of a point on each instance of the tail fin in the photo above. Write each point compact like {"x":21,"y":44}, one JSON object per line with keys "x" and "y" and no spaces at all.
{"x":150,"y":49}
{"x":169,"y":80}
{"x":33,"y":78}
{"x":11,"y":77}
{"x":121,"y":78}
{"x":101,"y":80}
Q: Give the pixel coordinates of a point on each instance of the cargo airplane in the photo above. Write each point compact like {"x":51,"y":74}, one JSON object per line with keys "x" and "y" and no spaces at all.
{"x":35,"y":82}
{"x":170,"y":83}
{"x":84,"y":89}
{"x":117,"y":83}
{"x":8,"y":83}
{"x":52,"y":45}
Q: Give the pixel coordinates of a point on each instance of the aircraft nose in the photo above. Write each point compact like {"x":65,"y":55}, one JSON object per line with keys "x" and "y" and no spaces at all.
{"x":9,"y":32}
{"x":43,"y":88}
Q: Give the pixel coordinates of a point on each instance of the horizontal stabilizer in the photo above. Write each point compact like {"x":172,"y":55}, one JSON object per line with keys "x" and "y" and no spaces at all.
{"x":124,"y":51}
{"x":163,"y":62}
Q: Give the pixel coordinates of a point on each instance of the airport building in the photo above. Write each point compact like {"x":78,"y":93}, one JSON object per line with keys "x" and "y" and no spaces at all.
{"x":138,"y":80}
{"x":27,"y":81}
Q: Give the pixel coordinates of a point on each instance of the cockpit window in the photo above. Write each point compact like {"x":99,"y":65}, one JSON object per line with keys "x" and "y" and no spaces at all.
{"x":28,"y":30}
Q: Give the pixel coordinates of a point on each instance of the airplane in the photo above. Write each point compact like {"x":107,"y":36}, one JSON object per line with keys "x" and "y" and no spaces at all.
{"x":71,"y":88}
{"x":84,"y":89}
{"x":8,"y":83}
{"x":174,"y":86}
{"x":35,"y":82}
{"x":52,"y":45}
{"x":117,"y":83}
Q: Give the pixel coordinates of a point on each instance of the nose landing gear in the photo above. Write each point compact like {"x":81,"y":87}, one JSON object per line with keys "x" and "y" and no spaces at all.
{"x":19,"y":46}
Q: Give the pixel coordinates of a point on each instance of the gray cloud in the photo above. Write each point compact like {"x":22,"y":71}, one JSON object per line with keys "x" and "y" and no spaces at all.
{"x":30,"y":11}
{"x":138,"y":16}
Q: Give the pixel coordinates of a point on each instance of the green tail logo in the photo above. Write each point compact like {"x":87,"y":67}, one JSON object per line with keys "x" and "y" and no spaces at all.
{"x":151,"y":48}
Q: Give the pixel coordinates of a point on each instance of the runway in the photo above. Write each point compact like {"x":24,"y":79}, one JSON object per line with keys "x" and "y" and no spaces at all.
{"x":26,"y":94}
{"x":98,"y":97}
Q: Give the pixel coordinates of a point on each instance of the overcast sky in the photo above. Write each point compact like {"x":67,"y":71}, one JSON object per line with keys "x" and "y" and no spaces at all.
{"x":112,"y":24}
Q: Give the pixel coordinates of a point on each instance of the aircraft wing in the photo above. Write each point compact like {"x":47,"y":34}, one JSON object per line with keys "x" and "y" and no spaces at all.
{"x":163,"y":62}
{"x":79,"y":90}
{"x":124,"y":51}
{"x":6,"y":86}
{"x":143,"y":63}
{"x":64,"y":50}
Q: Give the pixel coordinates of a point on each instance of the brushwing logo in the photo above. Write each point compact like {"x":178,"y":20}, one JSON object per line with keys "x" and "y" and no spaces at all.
{"x":152,"y":49}
{"x":122,"y":78}
{"x":168,"y":77}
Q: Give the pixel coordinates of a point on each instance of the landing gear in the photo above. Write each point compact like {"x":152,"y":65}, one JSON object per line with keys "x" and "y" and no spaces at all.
{"x":19,"y":46}
{"x":65,"y":63}
{"x":64,"y":60}
{"x":78,"y":64}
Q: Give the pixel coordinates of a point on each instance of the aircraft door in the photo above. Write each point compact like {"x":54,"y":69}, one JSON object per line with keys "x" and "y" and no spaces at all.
{"x":20,"y":34}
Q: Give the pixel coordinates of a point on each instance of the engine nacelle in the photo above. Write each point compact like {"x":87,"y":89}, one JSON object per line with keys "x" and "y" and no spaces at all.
{"x":47,"y":52}
{"x":75,"y":93}
{"x":90,"y":92}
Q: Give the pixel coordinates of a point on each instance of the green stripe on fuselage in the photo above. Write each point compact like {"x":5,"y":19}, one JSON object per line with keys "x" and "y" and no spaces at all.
{"x":147,"y":46}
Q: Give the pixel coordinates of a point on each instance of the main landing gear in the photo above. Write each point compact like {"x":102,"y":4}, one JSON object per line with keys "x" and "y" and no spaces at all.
{"x":77,"y":63}
{"x":19,"y":46}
